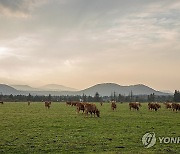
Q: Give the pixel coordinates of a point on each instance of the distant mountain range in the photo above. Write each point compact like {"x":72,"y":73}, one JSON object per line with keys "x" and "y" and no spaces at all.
{"x":104,"y":89}
{"x":107,"y":89}
{"x":55,"y":87}
{"x":7,"y":90}
{"x":48,"y":87}
{"x":24,"y":88}
{"x":166,"y":91}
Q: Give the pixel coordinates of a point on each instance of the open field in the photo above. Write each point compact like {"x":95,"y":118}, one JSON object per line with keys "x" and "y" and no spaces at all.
{"x":34,"y":129}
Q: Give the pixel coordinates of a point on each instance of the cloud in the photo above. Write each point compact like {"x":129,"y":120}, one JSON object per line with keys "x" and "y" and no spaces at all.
{"x":18,"y":8}
{"x":103,"y":40}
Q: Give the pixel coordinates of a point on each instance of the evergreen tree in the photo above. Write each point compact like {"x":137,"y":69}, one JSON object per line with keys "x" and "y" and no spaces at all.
{"x":29,"y":98}
{"x":1,"y":96}
{"x":176,"y":96}
{"x":96,"y":97}
{"x":84,"y":98}
{"x":120,"y":98}
{"x":131,"y":96}
{"x":151,"y":97}
{"x":49,"y":97}
{"x":114,"y":97}
{"x":11,"y":97}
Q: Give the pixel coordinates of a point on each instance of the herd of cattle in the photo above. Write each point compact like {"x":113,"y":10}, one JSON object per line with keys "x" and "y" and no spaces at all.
{"x":90,"y":108}
{"x":85,"y":108}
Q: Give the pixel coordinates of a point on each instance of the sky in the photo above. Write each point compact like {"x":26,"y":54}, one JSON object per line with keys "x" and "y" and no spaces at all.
{"x":79,"y":43}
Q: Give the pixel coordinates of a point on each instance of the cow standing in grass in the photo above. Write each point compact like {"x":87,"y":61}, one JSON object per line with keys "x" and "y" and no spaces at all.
{"x":101,"y":103}
{"x":68,"y":103}
{"x":92,"y":109}
{"x":73,"y":103}
{"x":113,"y":106}
{"x":168,"y":105}
{"x":79,"y":107}
{"x":158,"y":105}
{"x":154,"y":106}
{"x":29,"y":103}
{"x":175,"y":106}
{"x":134,"y":105}
{"x":47,"y":104}
{"x":1,"y":102}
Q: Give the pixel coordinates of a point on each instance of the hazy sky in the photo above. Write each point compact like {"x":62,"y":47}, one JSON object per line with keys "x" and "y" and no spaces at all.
{"x":79,"y":43}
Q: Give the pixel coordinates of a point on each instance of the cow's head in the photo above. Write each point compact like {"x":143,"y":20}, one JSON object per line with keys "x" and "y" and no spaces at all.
{"x":98,"y":113}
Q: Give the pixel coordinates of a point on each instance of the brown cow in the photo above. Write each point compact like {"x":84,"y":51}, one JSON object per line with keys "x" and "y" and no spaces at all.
{"x":91,"y":108}
{"x":175,"y":106}
{"x":134,"y":105}
{"x":80,"y":106}
{"x":73,"y":103}
{"x":168,"y":105}
{"x":1,"y":102}
{"x":47,"y":104}
{"x":29,"y":103}
{"x":150,"y":106}
{"x":158,"y":105}
{"x":113,"y":106}
{"x":154,"y":106}
{"x":68,"y":103}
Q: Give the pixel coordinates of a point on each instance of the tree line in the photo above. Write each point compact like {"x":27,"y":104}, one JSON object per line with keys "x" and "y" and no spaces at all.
{"x":96,"y":98}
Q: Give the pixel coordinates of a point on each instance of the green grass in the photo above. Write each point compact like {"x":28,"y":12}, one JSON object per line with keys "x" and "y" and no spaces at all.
{"x":34,"y":129}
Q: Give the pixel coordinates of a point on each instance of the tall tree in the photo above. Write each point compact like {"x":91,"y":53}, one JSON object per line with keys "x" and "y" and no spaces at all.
{"x":49,"y":97}
{"x":151,"y":97}
{"x":96,"y":97}
{"x":131,"y":96}
{"x":84,"y":98}
{"x":29,"y":98}
{"x":177,"y":96}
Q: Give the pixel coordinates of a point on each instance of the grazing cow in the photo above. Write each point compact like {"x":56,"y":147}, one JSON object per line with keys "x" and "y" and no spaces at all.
{"x":73,"y":103}
{"x":95,"y":110}
{"x":101,"y":103}
{"x":91,"y":108}
{"x":68,"y":103}
{"x":134,"y":105}
{"x":158,"y":105}
{"x":1,"y":102}
{"x":113,"y":106}
{"x":29,"y":103}
{"x":175,"y":106}
{"x":80,"y":106}
{"x":168,"y":105}
{"x":47,"y":104}
{"x":154,"y":106}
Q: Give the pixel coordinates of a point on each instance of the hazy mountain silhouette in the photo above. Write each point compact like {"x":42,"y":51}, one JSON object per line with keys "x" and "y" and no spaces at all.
{"x":24,"y":88}
{"x":167,"y":91}
{"x":104,"y":89}
{"x":55,"y":87}
{"x":7,"y":90}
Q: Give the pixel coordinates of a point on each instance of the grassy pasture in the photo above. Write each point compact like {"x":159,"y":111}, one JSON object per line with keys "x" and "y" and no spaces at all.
{"x":34,"y":129}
